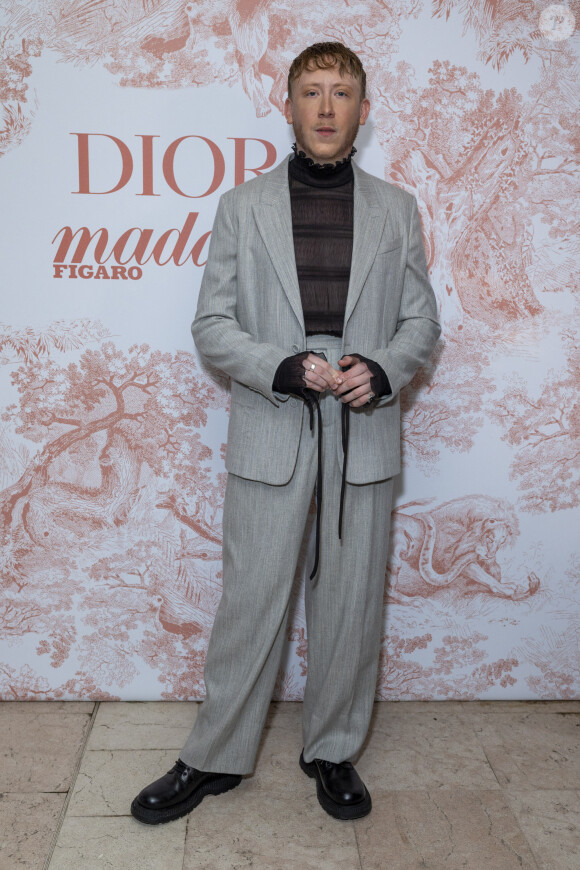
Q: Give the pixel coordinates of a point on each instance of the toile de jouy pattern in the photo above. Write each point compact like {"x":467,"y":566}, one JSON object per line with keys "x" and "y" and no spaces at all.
{"x":111,"y":448}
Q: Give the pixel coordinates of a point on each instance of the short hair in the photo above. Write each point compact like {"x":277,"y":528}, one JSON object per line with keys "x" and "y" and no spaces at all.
{"x":325,"y":55}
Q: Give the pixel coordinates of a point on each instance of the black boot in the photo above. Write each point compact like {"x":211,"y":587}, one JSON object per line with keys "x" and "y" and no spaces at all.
{"x":339,"y":788}
{"x":178,"y":792}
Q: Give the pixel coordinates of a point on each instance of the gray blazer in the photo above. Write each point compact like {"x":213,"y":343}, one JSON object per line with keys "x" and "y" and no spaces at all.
{"x":249,"y":318}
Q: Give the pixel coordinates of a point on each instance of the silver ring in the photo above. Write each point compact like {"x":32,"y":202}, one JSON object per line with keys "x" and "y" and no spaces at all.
{"x":312,"y":366}
{"x":370,"y":398}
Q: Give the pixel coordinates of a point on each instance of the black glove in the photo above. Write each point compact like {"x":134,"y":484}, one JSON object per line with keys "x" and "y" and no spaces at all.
{"x":289,"y":378}
{"x":380,"y":385}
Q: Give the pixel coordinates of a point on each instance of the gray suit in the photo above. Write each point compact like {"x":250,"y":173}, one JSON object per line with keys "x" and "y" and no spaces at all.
{"x":249,"y":319}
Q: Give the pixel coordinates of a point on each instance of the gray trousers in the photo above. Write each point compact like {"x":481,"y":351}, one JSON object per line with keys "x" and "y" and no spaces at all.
{"x":263,"y":528}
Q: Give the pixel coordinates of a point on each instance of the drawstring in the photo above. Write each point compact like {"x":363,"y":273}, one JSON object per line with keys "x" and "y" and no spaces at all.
{"x":311,"y":399}
{"x":345,"y":426}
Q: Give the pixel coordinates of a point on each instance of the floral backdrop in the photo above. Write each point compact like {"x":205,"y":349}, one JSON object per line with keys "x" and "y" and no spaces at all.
{"x":121,"y":123}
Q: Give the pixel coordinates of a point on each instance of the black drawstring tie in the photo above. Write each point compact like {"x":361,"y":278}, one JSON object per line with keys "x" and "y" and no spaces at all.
{"x":289,"y":378}
{"x":311,"y":399}
{"x":345,"y":426}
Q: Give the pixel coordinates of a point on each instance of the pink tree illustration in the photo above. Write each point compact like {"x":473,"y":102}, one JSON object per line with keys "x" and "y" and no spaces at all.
{"x":502,"y":27}
{"x":111,"y":428}
{"x":483,"y":166}
{"x":544,"y":428}
{"x":155,"y":617}
{"x":459,"y":668}
{"x":455,"y":382}
{"x":16,"y":111}
{"x":24,"y":684}
{"x":139,"y":408}
{"x":25,"y":344}
{"x":554,"y":657}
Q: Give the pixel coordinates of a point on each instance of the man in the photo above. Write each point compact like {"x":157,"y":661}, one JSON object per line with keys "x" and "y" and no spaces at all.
{"x":315,"y":298}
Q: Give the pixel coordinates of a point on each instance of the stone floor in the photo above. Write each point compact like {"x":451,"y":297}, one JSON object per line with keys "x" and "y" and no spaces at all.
{"x":454,"y":785}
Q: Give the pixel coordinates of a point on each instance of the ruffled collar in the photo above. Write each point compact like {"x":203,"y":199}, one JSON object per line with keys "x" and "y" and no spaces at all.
{"x":304,"y":169}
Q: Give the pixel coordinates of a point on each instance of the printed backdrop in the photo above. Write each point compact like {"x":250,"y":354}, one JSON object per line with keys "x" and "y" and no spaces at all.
{"x":122,"y":122}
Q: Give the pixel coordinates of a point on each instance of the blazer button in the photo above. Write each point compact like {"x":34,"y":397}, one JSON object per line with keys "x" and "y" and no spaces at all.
{"x":295,"y":348}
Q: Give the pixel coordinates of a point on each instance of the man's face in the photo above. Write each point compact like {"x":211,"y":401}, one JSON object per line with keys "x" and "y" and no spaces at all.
{"x":325,"y":111}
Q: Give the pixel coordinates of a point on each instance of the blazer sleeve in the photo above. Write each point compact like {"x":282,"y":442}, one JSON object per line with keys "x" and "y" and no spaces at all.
{"x":216,"y":331}
{"x":417,"y":324}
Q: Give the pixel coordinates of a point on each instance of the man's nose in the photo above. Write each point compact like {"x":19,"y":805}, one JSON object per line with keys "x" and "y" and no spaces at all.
{"x":326,"y":105}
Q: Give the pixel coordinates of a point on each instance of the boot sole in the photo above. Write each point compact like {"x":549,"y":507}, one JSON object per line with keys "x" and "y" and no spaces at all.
{"x":344,"y":812}
{"x":169,"y":814}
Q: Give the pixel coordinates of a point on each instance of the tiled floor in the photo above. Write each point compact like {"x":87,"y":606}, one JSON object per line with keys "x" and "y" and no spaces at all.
{"x":454,"y":785}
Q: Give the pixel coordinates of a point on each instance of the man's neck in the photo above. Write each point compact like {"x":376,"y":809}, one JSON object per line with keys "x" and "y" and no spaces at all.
{"x":306,"y":171}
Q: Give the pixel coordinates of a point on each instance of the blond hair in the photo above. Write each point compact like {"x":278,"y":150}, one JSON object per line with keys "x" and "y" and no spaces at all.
{"x":325,"y":55}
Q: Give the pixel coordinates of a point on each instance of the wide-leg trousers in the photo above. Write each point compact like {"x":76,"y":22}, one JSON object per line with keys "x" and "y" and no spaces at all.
{"x":263,"y":527}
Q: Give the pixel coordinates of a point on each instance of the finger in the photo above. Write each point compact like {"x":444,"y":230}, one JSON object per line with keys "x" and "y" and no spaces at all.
{"x":315,"y":382}
{"x":352,"y":383}
{"x":319,"y":371}
{"x":358,"y":397}
{"x":316,"y":361}
{"x":355,"y":377}
{"x":331,"y":376}
{"x":317,"y":374}
{"x":359,"y":403}
{"x":355,"y":369}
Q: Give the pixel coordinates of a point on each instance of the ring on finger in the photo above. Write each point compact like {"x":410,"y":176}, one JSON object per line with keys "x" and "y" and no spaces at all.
{"x":312,"y":366}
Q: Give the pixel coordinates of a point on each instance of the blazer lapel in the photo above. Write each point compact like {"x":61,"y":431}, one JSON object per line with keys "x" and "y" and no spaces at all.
{"x":369,"y":221}
{"x":273,"y":217}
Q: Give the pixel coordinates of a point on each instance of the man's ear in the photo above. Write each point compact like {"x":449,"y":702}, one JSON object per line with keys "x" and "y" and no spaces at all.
{"x":288,"y":110}
{"x":365,"y":108}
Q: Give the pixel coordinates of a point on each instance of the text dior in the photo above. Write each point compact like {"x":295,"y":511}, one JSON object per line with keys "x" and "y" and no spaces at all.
{"x":147,"y":160}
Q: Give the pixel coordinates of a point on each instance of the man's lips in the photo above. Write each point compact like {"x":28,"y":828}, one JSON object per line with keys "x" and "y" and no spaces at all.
{"x":325,"y":131}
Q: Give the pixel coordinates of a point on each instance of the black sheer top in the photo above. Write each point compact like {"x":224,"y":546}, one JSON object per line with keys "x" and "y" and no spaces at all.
{"x":322,"y":201}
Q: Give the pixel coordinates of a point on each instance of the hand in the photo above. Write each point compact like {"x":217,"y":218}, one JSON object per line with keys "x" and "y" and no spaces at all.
{"x":323,"y":376}
{"x":354,"y":385}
